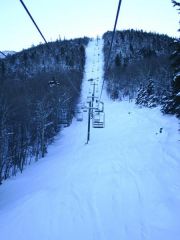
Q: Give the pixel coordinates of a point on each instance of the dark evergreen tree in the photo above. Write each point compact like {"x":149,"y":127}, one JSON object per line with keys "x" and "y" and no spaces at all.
{"x":141,"y":93}
{"x":176,"y":4}
{"x":146,"y":96}
{"x":37,"y":85}
{"x":151,"y":97}
{"x":117,"y":61}
{"x":136,"y":57}
{"x":172,"y":103}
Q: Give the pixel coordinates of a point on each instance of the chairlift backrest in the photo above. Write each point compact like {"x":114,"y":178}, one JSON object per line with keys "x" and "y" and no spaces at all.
{"x":99,"y":116}
{"x":100,"y":106}
{"x":98,"y":119}
{"x":64,"y":117}
{"x":79,"y":116}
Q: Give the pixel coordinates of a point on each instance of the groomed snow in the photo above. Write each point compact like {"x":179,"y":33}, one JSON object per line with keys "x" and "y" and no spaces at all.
{"x":123,"y":185}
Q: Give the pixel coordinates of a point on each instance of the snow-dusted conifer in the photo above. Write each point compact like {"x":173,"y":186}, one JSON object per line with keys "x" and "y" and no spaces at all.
{"x":151,"y":98}
{"x":140,"y":95}
{"x":172,"y":104}
{"x":146,"y":96}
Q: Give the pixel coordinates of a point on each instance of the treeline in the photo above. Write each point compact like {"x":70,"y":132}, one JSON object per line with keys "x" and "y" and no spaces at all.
{"x":172,"y":101}
{"x":39,"y":89}
{"x":145,"y":67}
{"x":138,"y":58}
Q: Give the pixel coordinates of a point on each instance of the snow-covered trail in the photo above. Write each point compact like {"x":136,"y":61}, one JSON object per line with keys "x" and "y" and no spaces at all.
{"x":125,"y":184}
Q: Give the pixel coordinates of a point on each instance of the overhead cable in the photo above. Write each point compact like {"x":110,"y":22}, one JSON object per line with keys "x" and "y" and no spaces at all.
{"x":110,"y":49}
{"x":44,"y":38}
{"x":3,"y":54}
{"x":33,"y":21}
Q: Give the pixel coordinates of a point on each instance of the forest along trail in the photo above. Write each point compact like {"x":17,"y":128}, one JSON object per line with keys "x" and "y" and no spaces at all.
{"x":124,"y":184}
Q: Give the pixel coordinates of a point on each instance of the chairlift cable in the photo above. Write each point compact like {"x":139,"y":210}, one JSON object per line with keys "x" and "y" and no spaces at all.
{"x":28,"y":12}
{"x":33,"y":21}
{"x":110,"y":49}
{"x":3,"y":54}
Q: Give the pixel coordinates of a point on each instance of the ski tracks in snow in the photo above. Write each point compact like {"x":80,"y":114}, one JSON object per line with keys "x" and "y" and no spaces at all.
{"x":123,"y":185}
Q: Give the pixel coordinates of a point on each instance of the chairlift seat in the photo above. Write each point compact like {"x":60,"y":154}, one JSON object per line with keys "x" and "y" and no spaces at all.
{"x":79,"y":116}
{"x":98,"y":119}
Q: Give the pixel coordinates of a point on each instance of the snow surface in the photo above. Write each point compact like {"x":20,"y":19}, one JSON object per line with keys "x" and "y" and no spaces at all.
{"x":123,"y":185}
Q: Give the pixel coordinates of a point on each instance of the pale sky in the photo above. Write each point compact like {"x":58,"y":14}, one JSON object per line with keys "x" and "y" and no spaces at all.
{"x":78,"y":18}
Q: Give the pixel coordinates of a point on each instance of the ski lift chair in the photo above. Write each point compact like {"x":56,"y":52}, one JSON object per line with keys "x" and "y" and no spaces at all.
{"x":98,"y":120}
{"x":84,"y":108}
{"x":64,"y":120}
{"x":79,"y":116}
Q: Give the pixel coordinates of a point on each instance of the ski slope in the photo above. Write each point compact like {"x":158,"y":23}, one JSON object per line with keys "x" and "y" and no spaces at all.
{"x":123,"y":185}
